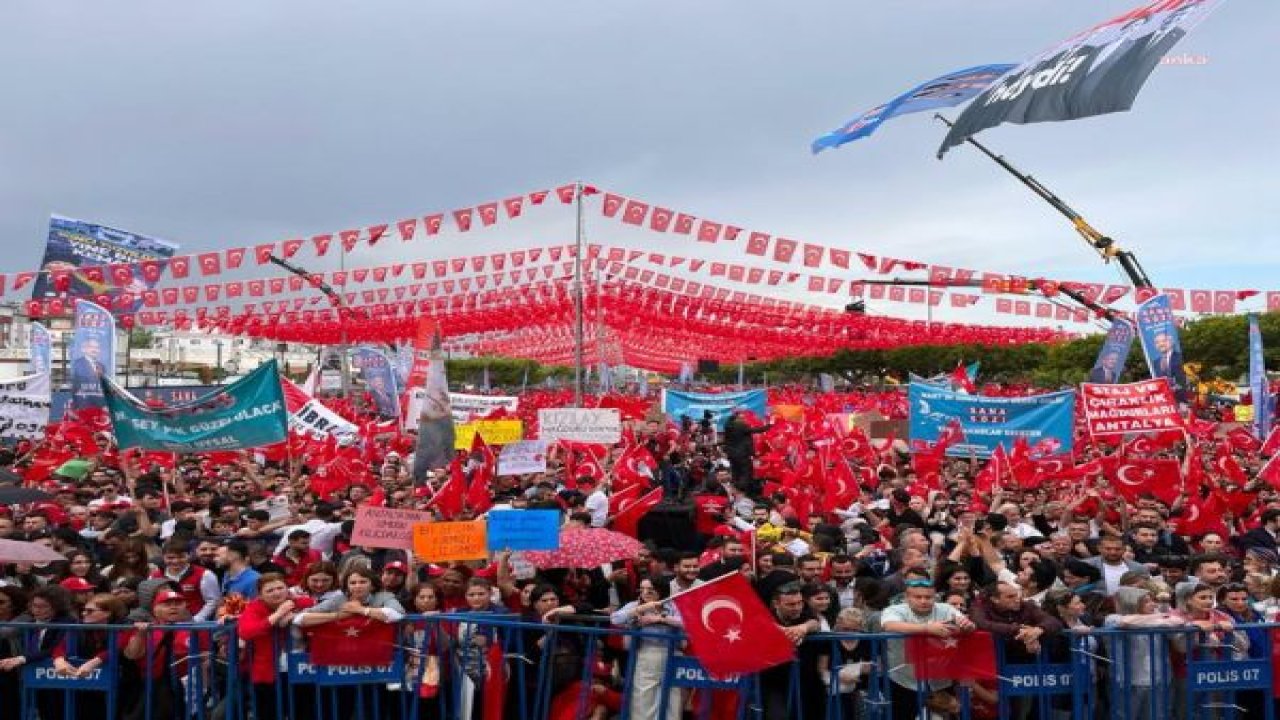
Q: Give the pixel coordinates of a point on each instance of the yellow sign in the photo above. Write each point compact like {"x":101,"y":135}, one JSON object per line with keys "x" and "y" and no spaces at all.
{"x":794,"y":413}
{"x":494,"y":432}
{"x":448,"y":541}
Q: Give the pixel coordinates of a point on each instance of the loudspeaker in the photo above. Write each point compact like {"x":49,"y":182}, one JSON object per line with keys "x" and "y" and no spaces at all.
{"x":706,"y":367}
{"x":670,"y":525}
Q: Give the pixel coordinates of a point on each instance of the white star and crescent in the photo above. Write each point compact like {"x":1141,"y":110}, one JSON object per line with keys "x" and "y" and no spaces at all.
{"x":734,"y":632}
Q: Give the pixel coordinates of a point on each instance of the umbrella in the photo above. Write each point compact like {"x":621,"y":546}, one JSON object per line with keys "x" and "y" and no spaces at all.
{"x":15,"y":551}
{"x":16,"y":495}
{"x":586,"y":549}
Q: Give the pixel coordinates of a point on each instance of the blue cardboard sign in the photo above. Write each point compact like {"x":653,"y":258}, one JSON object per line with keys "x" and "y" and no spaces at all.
{"x":301,"y":671}
{"x":687,"y":672}
{"x":1025,"y":680}
{"x":677,"y":404}
{"x":1223,"y":675}
{"x":41,"y":675}
{"x":524,"y":530}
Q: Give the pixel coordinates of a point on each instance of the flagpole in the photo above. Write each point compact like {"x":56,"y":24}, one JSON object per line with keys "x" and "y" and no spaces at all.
{"x":578,"y":321}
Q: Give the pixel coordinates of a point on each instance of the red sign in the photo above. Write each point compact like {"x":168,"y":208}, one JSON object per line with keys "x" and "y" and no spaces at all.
{"x":1132,"y":408}
{"x":421,"y":352}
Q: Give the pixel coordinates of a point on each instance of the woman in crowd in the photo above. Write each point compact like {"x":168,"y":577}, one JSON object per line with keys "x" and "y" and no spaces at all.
{"x":479,"y":651}
{"x":844,"y":665}
{"x":48,"y":604}
{"x":425,"y":642}
{"x":80,"y":564}
{"x":264,"y":628}
{"x":13,"y":604}
{"x":1234,"y":601}
{"x":319,"y":583}
{"x":821,"y":600}
{"x":87,"y":652}
{"x":651,"y":614}
{"x":130,"y":561}
{"x":1141,"y":661}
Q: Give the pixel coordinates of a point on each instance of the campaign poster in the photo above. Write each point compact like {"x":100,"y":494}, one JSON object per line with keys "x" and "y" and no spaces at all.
{"x":92,"y":356}
{"x":84,"y":253}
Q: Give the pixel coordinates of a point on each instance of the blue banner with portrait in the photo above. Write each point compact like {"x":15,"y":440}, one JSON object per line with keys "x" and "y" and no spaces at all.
{"x":1109,"y":367}
{"x":379,"y":378}
{"x":1158,"y":333}
{"x":677,"y":404}
{"x":92,"y":356}
{"x":82,"y":251}
{"x":1259,"y":388}
{"x":246,"y":414}
{"x":41,"y":350}
{"x":1043,"y":421}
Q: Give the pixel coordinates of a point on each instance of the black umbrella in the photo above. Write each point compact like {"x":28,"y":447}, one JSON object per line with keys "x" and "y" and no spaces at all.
{"x":17,"y":495}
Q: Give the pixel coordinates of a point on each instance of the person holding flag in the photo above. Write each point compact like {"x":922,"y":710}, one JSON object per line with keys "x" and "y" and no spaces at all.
{"x":918,"y":615}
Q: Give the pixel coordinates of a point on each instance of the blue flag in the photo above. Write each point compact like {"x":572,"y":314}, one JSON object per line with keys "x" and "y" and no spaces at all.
{"x":1045,"y":421}
{"x":246,"y":414}
{"x":1114,"y":353}
{"x":1263,"y":403}
{"x":1158,"y":332}
{"x":946,"y":91}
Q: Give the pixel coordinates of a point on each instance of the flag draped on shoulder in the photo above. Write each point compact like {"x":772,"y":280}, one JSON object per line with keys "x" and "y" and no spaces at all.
{"x":1098,"y":71}
{"x":946,"y":91}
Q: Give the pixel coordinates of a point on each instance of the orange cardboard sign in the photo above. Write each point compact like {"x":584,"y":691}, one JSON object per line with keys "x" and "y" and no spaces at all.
{"x":448,"y":541}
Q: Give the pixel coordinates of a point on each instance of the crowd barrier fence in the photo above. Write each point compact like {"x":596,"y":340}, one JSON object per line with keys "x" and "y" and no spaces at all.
{"x":493,"y":666}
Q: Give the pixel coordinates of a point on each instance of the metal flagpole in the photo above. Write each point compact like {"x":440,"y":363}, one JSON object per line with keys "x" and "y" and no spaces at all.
{"x":578,"y":329}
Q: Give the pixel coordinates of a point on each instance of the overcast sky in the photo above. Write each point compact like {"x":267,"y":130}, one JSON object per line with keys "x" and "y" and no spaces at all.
{"x":241,"y":121}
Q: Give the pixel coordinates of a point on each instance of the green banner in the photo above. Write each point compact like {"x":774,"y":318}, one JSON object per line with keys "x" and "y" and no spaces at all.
{"x":248,"y":413}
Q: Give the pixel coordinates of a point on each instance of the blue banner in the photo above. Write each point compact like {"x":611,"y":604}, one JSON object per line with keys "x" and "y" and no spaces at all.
{"x":687,"y":672}
{"x":946,"y":91}
{"x":1043,"y":421}
{"x":303,"y":672}
{"x":1109,"y":366}
{"x":523,"y":530}
{"x":41,"y":350}
{"x":75,"y":245}
{"x":246,"y":414}
{"x":42,"y":675}
{"x":380,"y":379}
{"x":1158,"y":333}
{"x":93,"y":355}
{"x":676,"y":404}
{"x":1263,"y":403}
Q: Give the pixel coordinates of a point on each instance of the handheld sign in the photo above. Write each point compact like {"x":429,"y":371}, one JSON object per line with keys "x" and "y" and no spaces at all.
{"x":524,"y":530}
{"x":380,"y":527}
{"x":448,"y":541}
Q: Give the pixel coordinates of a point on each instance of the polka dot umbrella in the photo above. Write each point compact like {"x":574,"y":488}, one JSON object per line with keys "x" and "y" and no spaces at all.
{"x":586,"y":549}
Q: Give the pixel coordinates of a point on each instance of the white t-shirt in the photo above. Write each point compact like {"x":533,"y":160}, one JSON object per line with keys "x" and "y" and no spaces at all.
{"x":598,"y":505}
{"x":1111,"y":576}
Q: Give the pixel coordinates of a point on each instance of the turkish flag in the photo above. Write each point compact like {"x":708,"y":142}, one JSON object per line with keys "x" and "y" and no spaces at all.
{"x":708,"y":231}
{"x":783,"y":249}
{"x":730,"y":630}
{"x":970,"y":656}
{"x":627,"y":521}
{"x":1138,"y":476}
{"x":1243,"y":440}
{"x":1272,"y":444}
{"x":660,"y":219}
{"x":353,"y":641}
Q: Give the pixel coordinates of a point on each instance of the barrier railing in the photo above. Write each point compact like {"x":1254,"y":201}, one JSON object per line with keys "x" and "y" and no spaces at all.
{"x":489,"y":666}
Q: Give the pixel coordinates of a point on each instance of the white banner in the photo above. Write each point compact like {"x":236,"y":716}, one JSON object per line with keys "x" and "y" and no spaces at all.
{"x":602,"y":425}
{"x":24,"y":407}
{"x":522,"y":458}
{"x":309,"y":416}
{"x":472,"y":407}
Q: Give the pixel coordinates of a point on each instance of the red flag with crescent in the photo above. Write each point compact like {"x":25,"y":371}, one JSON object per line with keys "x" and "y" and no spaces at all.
{"x":730,"y":630}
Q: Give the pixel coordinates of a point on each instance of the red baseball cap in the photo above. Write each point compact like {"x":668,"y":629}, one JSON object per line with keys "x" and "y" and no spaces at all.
{"x":165,"y":596}
{"x":77,"y":584}
{"x":397,"y":566}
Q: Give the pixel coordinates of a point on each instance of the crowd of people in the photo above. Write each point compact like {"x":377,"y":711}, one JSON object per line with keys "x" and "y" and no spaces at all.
{"x":1041,"y":560}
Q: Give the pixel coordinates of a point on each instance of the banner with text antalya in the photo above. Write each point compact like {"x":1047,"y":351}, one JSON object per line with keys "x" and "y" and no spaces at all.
{"x":1158,"y":333}
{"x":1259,"y":388}
{"x":246,"y":414}
{"x":1043,"y":421}
{"x":380,"y":379}
{"x":1114,"y":353}
{"x":41,"y":350}
{"x":309,"y":416}
{"x":93,"y":355}
{"x":1131,"y":408}
{"x":97,"y":260}
{"x":677,"y":404}
{"x":1097,"y":71}
{"x":24,"y":407}
{"x":471,"y":407}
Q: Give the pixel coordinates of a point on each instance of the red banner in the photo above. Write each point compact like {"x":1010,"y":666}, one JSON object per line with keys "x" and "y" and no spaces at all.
{"x":1135,"y":407}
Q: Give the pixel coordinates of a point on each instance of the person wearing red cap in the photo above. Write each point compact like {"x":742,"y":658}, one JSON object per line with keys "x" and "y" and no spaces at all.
{"x":80,"y":590}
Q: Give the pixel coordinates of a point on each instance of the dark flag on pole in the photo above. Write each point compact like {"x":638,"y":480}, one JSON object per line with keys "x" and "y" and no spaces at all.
{"x":1098,"y":71}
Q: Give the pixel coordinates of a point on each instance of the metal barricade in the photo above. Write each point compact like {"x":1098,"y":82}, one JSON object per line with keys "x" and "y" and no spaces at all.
{"x":488,"y":665}
{"x":187,"y":670}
